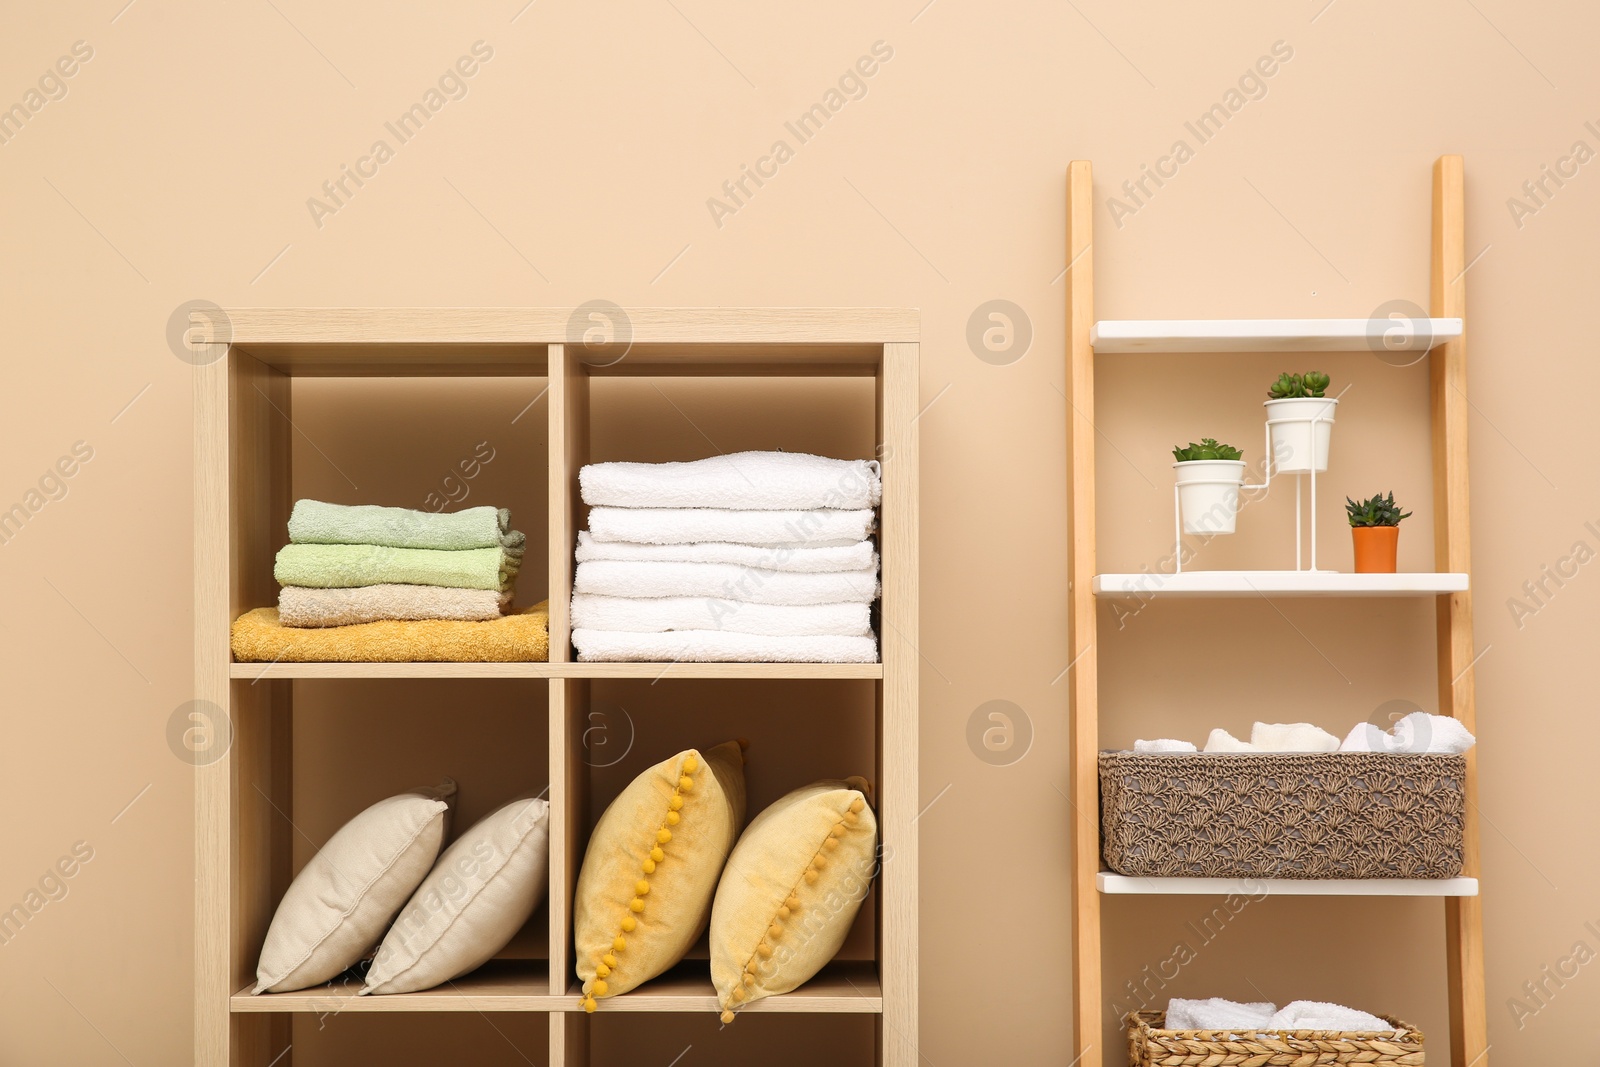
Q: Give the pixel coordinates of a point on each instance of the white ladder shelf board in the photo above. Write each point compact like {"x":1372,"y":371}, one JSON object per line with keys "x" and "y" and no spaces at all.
{"x":1276,"y":584}
{"x":1272,"y":335}
{"x":1121,"y":884}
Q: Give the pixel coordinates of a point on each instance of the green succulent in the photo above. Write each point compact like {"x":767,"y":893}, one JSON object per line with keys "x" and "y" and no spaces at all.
{"x":1313,"y":383}
{"x":1208,"y":448}
{"x":1376,"y":511}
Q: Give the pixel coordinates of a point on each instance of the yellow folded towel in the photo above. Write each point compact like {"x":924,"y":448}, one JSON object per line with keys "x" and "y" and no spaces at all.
{"x":258,"y":637}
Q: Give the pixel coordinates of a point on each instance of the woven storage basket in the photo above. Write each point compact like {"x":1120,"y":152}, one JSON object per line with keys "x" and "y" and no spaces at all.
{"x":1151,"y":1046}
{"x":1282,"y":815}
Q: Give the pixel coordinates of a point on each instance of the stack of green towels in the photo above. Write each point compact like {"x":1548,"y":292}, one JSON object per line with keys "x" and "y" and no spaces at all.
{"x":364,"y":563}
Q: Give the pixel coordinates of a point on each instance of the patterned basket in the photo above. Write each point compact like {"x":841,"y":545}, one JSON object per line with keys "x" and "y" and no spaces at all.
{"x":1282,"y":815}
{"x":1151,"y":1046}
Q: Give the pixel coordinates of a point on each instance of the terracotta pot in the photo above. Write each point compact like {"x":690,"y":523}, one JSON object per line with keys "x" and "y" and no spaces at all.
{"x":1375,"y":548}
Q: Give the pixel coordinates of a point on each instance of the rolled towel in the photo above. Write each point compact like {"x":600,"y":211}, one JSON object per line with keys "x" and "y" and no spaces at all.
{"x":715,"y":646}
{"x":723,"y":581}
{"x":258,"y":637}
{"x":685,"y":526}
{"x":766,"y":481}
{"x":344,"y":566}
{"x":660,"y":614}
{"x":1216,"y":1014}
{"x":313,"y":522}
{"x":1417,"y":732}
{"x":1292,"y":737}
{"x":1222,"y":741}
{"x":850,"y":556}
{"x":1314,"y":1015}
{"x":1164,"y":744}
{"x":301,"y":606}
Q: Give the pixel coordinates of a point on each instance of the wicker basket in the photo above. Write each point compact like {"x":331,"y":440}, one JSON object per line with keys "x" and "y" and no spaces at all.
{"x":1282,"y":815}
{"x":1151,"y":1046}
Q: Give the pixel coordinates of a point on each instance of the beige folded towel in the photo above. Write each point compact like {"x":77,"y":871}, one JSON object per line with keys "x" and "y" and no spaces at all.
{"x":303,"y":606}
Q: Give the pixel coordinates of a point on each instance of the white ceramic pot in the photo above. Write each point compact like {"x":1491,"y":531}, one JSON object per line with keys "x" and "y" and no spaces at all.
{"x":1208,"y":494}
{"x":1293,"y":431}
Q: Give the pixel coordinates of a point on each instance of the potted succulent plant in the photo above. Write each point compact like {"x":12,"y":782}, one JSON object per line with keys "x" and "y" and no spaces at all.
{"x":1293,"y":401}
{"x":1209,"y":476}
{"x":1375,"y":526}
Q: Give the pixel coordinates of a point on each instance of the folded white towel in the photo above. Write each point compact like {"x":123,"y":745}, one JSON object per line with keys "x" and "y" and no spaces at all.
{"x":768,"y":481}
{"x":1164,"y":744}
{"x":1314,"y":1015}
{"x":852,"y":556}
{"x":658,"y":614}
{"x":1216,"y":1014}
{"x":724,"y":581}
{"x":714,"y":646}
{"x":1222,"y":741}
{"x":1417,"y":732}
{"x":1292,"y":737}
{"x":687,"y":526}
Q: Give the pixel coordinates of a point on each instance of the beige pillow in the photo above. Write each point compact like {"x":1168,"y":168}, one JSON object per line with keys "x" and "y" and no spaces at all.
{"x":480,"y":893}
{"x":339,"y":904}
{"x":645,"y":889}
{"x":791,"y":891}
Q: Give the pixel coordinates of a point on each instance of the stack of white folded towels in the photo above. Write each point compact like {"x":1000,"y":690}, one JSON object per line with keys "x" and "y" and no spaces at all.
{"x":753,"y":556}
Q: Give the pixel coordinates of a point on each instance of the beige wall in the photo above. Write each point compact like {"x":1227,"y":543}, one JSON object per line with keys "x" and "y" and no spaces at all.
{"x":178,"y":166}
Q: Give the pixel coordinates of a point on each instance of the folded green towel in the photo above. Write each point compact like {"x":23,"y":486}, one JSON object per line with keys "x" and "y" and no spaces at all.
{"x":347,"y":566}
{"x":315,"y":523}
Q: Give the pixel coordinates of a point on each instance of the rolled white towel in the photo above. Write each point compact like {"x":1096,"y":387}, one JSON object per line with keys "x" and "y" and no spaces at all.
{"x":687,"y":526}
{"x":715,"y":646}
{"x":1315,"y":1015}
{"x":1222,"y":741}
{"x":800,"y":557}
{"x":767,"y":481}
{"x":724,"y":581}
{"x":660,"y":614}
{"x":1292,"y":737}
{"x":1417,"y":732}
{"x":1216,"y":1014}
{"x":1164,"y":744}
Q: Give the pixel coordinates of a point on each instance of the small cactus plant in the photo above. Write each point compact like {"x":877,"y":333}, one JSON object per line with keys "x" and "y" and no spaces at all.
{"x":1313,"y":383}
{"x":1375,"y":511}
{"x":1208,"y":448}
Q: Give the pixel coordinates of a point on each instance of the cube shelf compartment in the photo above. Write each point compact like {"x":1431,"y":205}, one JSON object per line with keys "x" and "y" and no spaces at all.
{"x":248,"y":360}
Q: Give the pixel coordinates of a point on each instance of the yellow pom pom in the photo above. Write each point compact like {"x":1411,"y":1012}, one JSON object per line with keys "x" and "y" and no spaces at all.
{"x":672,"y":818}
{"x":620,"y":943}
{"x":690,"y":765}
{"x":737,"y":994}
{"x":727,"y":1017}
{"x":641,"y":887}
{"x":602,"y":971}
{"x":774,"y":931}
{"x":857,"y":804}
{"x":811,"y":877}
{"x":819,"y":862}
{"x":589,"y":1004}
{"x":831,"y":843}
{"x":599,"y":988}
{"x":793,"y":903}
{"x":649,"y":866}
{"x":676,"y":803}
{"x":686,"y":783}
{"x":657,"y":855}
{"x":636,"y":905}
{"x":628,"y":924}
{"x":764,"y":950}
{"x":609,"y":960}
{"x":850,"y":818}
{"x":663,"y":835}
{"x":783,"y":912}
{"x":749,"y":978}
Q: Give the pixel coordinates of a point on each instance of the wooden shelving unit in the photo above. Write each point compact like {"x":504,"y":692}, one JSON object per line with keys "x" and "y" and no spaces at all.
{"x":1443,"y":344}
{"x":243,"y":404}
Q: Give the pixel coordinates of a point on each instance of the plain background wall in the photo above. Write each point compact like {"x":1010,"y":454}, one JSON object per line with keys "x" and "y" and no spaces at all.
{"x":578,"y":166}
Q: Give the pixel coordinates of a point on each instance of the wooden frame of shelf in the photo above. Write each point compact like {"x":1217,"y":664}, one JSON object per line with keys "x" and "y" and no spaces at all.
{"x":1447,"y":371}
{"x":242,"y":501}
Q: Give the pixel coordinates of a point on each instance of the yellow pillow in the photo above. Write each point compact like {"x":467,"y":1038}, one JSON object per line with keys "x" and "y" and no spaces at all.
{"x":651,"y":867}
{"x":791,"y":890}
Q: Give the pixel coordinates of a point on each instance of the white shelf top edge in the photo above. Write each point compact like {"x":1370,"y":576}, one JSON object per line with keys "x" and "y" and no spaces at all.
{"x":1119,"y":884}
{"x":1277,"y":583}
{"x":1270,"y":335}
